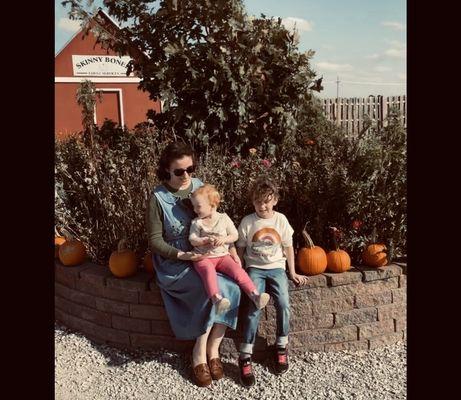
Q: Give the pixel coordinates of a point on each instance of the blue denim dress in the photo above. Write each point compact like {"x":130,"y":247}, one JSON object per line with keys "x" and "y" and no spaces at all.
{"x":186,"y":303}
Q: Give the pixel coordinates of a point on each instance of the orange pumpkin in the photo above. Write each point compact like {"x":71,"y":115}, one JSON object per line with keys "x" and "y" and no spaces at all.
{"x":337,"y":260}
{"x":311,"y":259}
{"x":374,"y":255}
{"x":72,"y":251}
{"x":123,"y":262}
{"x":148,"y":263}
{"x":58,"y":241}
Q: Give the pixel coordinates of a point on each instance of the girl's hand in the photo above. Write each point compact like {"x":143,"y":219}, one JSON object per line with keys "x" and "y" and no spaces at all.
{"x":219,"y":242}
{"x":206,"y":240}
{"x":299,"y":280}
{"x":236,"y":258}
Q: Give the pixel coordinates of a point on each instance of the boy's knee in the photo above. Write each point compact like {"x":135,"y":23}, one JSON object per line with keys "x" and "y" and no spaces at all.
{"x":283,"y":304}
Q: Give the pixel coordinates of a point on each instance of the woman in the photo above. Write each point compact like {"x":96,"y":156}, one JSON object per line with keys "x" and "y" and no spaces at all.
{"x":189,"y":310}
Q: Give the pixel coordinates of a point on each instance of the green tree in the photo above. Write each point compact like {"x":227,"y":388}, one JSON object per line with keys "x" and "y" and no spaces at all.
{"x":223,"y":76}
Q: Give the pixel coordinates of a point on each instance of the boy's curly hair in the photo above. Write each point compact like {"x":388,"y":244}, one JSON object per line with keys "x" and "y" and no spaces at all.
{"x":211,"y":192}
{"x":262,"y":188}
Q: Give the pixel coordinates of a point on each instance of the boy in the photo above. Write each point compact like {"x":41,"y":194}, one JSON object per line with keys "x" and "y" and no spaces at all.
{"x":265,"y":244}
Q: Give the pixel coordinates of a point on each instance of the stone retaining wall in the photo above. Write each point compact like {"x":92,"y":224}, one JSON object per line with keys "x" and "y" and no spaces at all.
{"x":359,"y":309}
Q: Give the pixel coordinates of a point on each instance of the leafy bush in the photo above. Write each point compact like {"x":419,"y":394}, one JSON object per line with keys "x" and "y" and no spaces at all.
{"x":101,"y":194}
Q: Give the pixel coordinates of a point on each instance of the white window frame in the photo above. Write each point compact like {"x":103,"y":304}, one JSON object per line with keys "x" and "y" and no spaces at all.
{"x":120,"y":101}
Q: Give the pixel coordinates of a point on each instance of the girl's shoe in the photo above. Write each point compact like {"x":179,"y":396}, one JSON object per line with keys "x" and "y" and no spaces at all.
{"x":261,"y":300}
{"x":222,"y":305}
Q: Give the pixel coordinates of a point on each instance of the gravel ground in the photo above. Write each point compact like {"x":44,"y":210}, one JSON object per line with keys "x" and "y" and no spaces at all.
{"x":85,"y":370}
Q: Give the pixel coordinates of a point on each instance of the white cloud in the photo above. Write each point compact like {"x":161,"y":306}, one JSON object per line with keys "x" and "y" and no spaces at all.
{"x":69,"y":25}
{"x":395,"y":53}
{"x":328,"y":66}
{"x":396,"y":26}
{"x":300,"y":24}
{"x":374,"y":56}
{"x":397,"y":49}
{"x":382,"y":68}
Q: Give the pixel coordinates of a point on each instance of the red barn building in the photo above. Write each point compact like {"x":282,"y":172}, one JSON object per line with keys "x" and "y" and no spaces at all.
{"x":82,"y":58}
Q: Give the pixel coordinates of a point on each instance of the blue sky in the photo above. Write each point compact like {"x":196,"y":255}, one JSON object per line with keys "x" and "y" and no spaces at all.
{"x":361,"y":41}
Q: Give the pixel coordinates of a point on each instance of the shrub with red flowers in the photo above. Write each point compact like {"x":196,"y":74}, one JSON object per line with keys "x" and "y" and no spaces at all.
{"x":354,"y":184}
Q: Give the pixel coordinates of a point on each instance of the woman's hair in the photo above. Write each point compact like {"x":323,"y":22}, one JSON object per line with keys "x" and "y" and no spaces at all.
{"x":262,"y":188}
{"x":174,"y":151}
{"x":211,"y":192}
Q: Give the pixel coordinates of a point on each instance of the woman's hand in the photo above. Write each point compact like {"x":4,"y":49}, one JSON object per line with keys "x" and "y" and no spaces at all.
{"x":191,"y":256}
{"x":299,"y":280}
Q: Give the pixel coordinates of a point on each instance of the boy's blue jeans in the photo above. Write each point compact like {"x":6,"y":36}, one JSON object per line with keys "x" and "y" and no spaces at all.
{"x":274,"y":282}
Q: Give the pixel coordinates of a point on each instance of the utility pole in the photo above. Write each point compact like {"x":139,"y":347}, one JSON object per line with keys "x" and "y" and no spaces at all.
{"x":337,"y":86}
{"x":337,"y":100}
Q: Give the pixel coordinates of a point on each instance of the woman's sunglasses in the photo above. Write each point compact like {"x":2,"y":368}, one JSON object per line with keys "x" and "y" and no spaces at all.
{"x":180,"y":171}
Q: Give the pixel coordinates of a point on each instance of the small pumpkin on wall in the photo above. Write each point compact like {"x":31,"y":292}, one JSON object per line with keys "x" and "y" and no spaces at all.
{"x":71,"y":251}
{"x":123,"y":262}
{"x":337,"y":260}
{"x":58,"y":241}
{"x":311,"y":259}
{"x":374,"y":255}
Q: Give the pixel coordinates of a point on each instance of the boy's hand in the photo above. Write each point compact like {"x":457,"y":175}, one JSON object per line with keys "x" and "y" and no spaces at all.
{"x":299,"y":280}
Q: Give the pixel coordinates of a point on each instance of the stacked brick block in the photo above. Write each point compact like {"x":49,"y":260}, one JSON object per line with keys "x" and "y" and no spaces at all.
{"x":358,"y":310}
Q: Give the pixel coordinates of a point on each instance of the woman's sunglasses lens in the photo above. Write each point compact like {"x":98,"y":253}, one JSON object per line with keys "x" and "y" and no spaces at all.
{"x":180,"y":171}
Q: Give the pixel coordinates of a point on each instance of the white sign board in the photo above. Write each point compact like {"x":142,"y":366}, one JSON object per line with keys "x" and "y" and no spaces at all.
{"x":94,"y":65}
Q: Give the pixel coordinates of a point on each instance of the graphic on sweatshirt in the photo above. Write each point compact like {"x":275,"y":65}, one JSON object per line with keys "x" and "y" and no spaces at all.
{"x":265,"y":242}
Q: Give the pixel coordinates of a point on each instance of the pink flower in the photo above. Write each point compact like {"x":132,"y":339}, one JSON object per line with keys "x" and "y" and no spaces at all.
{"x":266,"y":163}
{"x":235,"y":164}
{"x":356,"y":224}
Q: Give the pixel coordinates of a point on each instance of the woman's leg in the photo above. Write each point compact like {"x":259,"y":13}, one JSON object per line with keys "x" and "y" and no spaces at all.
{"x":200,"y":349}
{"x":214,"y":340}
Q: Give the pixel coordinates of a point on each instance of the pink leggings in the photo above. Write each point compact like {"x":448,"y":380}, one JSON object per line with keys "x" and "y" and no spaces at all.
{"x":208,"y":267}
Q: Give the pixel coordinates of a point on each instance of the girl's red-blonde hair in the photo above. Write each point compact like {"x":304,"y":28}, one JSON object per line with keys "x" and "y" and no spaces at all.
{"x":211,"y":192}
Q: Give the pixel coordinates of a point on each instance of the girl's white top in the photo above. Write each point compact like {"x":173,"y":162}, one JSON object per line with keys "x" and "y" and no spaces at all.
{"x":221,"y":227}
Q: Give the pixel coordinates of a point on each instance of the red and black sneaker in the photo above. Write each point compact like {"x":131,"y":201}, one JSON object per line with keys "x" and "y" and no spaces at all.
{"x":281,"y":360}
{"x":247,"y":377}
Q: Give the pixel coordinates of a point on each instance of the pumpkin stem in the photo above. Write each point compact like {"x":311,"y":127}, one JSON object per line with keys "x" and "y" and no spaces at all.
{"x":67,"y":234}
{"x":333,"y":235}
{"x":121,"y":245}
{"x":307,"y":239}
{"x":373,"y":235}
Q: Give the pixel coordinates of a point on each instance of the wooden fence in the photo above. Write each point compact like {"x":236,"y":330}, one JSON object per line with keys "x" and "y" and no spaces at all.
{"x":349,"y":113}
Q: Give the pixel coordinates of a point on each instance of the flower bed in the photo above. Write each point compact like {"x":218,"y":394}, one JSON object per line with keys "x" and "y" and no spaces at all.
{"x":360,"y":309}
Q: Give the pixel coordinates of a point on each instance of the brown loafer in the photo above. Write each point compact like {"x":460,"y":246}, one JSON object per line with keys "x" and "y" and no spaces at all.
{"x":216,"y":368}
{"x":201,"y":375}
